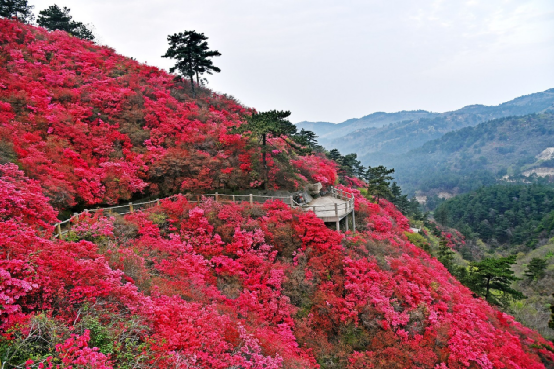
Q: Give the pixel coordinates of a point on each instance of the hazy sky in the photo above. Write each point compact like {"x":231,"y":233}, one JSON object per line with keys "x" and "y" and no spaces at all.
{"x":334,"y":60}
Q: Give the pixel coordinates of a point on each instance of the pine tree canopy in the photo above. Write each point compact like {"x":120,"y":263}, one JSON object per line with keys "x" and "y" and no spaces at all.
{"x":55,"y":18}
{"x":191,"y":51}
{"x":19,"y":9}
{"x":492,"y":278}
{"x":536,"y":268}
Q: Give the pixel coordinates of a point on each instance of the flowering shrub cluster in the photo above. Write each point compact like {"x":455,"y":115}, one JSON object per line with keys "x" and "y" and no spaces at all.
{"x":200,"y":285}
{"x":218,"y":285}
{"x":95,"y":127}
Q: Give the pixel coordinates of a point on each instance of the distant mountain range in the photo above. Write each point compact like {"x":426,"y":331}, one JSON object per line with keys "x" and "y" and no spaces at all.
{"x":468,"y":158}
{"x":377,"y":137}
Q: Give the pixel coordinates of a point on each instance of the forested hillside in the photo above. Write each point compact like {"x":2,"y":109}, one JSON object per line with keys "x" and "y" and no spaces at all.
{"x":517,"y":221}
{"x":201,"y":284}
{"x":466,"y":159}
{"x":502,"y":215}
{"x":380,"y":137}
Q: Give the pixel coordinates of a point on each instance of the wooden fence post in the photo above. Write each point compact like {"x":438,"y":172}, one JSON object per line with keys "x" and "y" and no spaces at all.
{"x":75,"y":215}
{"x":251,"y":201}
{"x":197,"y":198}
{"x":158,"y":202}
{"x":131,"y":207}
{"x":216,"y":197}
{"x":291,"y":202}
{"x":59,"y":228}
{"x":336,"y":209}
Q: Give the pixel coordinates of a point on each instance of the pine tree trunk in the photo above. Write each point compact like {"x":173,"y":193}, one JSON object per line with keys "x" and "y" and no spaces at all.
{"x":192,"y":86}
{"x":197,"y":79}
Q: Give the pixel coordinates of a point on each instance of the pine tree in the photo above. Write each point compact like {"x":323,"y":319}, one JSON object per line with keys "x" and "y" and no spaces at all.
{"x":445,"y":255}
{"x":272,"y":123}
{"x":19,"y":9}
{"x":378,"y":179}
{"x":536,"y":269}
{"x":441,"y":215}
{"x":335,"y":155}
{"x":308,"y":139}
{"x":401,"y":201}
{"x":192,"y":53}
{"x":493,"y":274}
{"x":55,"y":18}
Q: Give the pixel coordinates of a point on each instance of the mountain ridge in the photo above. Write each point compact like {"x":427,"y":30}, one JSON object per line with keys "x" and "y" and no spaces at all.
{"x":507,"y":146}
{"x":375,"y":143}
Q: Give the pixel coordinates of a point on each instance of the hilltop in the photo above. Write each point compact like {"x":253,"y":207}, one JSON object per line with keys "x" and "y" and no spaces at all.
{"x":208,"y":284}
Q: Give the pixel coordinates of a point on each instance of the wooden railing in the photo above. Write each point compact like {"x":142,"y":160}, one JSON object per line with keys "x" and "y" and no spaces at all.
{"x":64,"y":227}
{"x":333,"y":209}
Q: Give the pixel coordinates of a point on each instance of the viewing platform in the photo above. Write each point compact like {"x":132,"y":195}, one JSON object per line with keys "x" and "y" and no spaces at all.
{"x":333,"y":208}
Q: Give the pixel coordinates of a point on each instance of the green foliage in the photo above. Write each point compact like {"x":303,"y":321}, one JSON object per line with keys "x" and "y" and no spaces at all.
{"x":441,"y":215}
{"x":19,"y":9}
{"x":349,"y":164}
{"x":55,"y":18}
{"x":491,"y":278}
{"x":309,"y":140}
{"x":536,"y":269}
{"x":378,"y":179}
{"x":419,"y":241}
{"x":191,"y":51}
{"x":445,"y":255}
{"x":273,"y":122}
{"x":501,"y":214}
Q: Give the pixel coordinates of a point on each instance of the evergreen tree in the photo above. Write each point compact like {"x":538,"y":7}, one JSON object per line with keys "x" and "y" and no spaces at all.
{"x":308,"y":139}
{"x":352,"y":166}
{"x":335,"y":155}
{"x":19,"y":9}
{"x":493,"y":274}
{"x":55,"y":18}
{"x":536,"y":269}
{"x":445,"y":255}
{"x":401,"y":201}
{"x":378,"y":179}
{"x":192,"y":53}
{"x":273,"y":123}
{"x":441,"y":215}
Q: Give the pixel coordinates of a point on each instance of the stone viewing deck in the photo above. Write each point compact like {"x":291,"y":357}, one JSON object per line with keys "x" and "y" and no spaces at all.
{"x":333,"y":208}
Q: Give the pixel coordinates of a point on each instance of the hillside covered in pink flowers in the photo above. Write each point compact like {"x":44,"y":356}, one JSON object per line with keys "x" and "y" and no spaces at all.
{"x":209,"y":284}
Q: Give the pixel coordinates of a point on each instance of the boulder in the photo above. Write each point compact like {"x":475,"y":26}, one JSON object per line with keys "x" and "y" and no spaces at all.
{"x":314,"y":188}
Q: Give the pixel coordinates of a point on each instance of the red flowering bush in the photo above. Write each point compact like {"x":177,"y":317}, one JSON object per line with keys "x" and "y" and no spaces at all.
{"x":317,"y":169}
